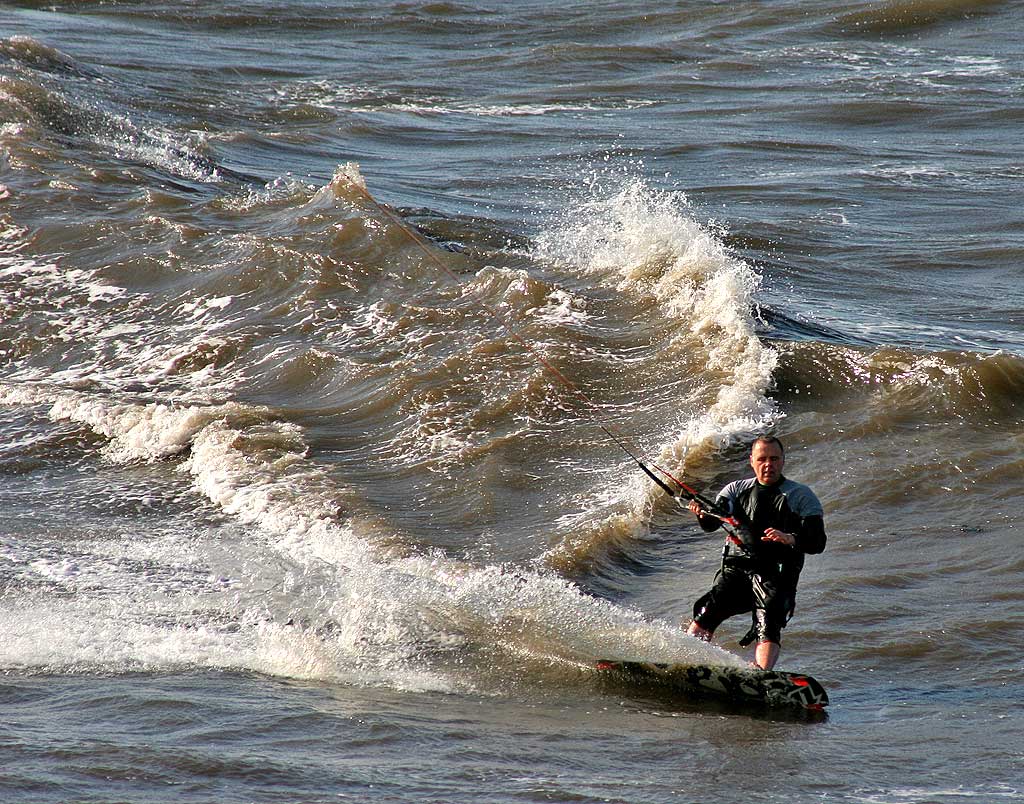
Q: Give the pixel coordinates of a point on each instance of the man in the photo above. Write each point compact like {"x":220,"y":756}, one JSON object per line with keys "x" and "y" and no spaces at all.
{"x":780,"y":522}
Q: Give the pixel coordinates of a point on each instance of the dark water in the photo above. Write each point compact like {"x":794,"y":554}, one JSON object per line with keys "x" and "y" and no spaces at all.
{"x":292,"y":509}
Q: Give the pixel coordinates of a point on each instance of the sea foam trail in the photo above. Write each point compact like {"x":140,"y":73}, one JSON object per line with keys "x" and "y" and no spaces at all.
{"x":355,"y":603}
{"x":355,"y":610}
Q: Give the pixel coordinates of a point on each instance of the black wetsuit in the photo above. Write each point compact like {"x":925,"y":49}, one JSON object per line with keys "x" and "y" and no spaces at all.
{"x":758,"y":576}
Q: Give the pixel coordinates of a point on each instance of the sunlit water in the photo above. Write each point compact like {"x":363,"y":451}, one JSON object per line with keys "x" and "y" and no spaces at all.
{"x":295,"y":508}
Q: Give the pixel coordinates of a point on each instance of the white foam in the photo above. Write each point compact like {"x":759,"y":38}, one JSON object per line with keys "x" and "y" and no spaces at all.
{"x":111,"y":634}
{"x":912,"y":795}
{"x":325,"y":94}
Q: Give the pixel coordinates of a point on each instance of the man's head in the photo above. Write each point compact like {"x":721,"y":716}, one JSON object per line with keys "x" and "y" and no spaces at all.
{"x":767,"y":457}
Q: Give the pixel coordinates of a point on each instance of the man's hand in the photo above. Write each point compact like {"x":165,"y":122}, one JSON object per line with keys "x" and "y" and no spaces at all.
{"x":779,"y":537}
{"x":695,"y":508}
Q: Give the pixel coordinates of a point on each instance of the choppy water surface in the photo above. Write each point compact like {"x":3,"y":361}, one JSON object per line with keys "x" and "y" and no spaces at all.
{"x":292,"y":509}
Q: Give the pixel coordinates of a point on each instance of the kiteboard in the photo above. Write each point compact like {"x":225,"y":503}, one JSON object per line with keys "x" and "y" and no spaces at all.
{"x":750,"y":685}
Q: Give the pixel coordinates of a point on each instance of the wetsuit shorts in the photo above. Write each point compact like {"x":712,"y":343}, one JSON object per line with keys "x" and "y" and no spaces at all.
{"x":769,"y":596}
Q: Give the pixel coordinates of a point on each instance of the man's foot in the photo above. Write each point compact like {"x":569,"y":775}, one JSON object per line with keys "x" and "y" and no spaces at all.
{"x":695,"y":630}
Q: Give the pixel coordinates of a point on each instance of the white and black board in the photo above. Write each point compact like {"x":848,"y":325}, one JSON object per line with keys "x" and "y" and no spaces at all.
{"x":773,"y":688}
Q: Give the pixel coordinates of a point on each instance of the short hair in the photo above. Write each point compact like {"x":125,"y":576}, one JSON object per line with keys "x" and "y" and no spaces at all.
{"x":767,"y":439}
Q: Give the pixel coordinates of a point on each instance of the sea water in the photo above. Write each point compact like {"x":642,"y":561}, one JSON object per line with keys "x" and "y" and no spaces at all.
{"x":295,"y":507}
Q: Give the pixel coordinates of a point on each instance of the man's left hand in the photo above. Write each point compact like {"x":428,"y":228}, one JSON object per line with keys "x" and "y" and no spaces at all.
{"x":779,"y":537}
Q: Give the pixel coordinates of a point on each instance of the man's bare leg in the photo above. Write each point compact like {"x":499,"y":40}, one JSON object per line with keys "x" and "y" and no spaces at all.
{"x":766,"y":654}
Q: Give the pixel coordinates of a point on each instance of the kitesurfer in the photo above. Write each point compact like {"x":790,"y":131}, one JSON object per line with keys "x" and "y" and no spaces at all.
{"x":780,"y":521}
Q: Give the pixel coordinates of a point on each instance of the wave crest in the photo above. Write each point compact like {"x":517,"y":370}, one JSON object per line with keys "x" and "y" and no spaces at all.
{"x":679,"y":272}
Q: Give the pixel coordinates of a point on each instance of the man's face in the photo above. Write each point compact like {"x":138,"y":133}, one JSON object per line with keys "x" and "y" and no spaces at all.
{"x":767,"y":461}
